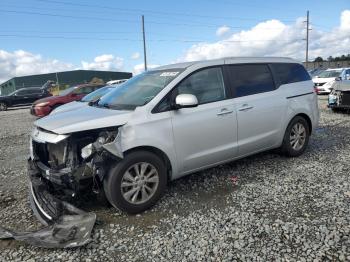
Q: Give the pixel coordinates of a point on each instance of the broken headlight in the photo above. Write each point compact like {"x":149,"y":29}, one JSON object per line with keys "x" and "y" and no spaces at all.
{"x":104,"y":137}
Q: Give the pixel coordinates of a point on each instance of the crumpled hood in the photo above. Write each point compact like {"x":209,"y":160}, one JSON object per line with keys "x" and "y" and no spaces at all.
{"x":322,"y":80}
{"x":69,"y":107}
{"x":81,"y":119}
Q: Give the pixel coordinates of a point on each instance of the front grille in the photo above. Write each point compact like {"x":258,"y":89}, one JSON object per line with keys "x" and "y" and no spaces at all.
{"x":40,"y":152}
{"x":57,"y":154}
{"x":51,"y":155}
{"x":345,"y":99}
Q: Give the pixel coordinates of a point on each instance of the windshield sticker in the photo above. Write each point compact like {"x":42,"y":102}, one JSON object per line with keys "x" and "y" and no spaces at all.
{"x":169,"y":74}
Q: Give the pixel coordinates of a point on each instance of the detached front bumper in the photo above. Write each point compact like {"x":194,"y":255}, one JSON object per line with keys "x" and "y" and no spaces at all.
{"x":42,"y":195}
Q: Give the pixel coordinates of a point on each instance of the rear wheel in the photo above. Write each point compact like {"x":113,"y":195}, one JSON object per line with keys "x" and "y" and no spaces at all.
{"x":296,"y":137}
{"x":137,"y":182}
{"x":3,"y":106}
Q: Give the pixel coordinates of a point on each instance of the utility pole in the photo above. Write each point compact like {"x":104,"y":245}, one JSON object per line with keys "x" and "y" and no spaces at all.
{"x":307,"y":39}
{"x":144,"y":42}
{"x":57,"y":79}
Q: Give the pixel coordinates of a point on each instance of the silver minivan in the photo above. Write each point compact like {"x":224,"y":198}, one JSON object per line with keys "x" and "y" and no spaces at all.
{"x":169,"y":122}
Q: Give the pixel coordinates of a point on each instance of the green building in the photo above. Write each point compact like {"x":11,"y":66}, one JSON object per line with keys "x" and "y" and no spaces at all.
{"x":67,"y":78}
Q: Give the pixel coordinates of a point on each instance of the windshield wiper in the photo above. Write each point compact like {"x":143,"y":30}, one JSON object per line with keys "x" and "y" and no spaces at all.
{"x":106,"y":105}
{"x":94,"y":102}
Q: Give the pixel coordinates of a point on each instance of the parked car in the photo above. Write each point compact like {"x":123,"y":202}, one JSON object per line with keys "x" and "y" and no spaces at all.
{"x":339,"y":98}
{"x":315,"y":72}
{"x":90,"y":98}
{"x":43,"y":107}
{"x":167,"y":123}
{"x":325,"y":81}
{"x":22,"y":97}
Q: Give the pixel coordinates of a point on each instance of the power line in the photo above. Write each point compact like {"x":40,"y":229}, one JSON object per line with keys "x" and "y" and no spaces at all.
{"x":122,"y":20}
{"x":139,"y":11}
{"x":135,"y":40}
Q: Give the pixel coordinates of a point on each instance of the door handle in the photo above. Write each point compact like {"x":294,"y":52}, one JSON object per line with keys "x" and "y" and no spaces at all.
{"x":225,"y":111}
{"x":245,"y":107}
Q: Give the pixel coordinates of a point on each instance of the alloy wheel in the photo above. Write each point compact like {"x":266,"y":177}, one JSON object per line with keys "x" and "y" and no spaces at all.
{"x":297,"y":136}
{"x":139,"y":183}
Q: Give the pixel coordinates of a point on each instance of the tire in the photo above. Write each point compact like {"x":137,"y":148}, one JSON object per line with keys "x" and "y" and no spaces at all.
{"x":3,"y":106}
{"x":291,"y":147}
{"x":153,"y":187}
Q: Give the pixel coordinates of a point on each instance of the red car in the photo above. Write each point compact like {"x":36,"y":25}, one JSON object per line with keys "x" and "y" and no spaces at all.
{"x":43,"y":107}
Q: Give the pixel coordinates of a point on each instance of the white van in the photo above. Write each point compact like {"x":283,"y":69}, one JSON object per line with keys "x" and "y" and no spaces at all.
{"x":169,"y":122}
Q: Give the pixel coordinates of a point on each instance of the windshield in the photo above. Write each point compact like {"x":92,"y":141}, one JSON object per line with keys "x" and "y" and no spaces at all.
{"x":139,"y":90}
{"x":97,"y":94}
{"x":328,"y":74}
{"x":66,"y":91}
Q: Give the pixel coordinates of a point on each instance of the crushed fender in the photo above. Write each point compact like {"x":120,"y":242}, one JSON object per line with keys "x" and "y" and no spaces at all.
{"x":71,"y":229}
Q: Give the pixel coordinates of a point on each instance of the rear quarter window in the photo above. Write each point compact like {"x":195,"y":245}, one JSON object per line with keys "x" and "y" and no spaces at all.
{"x":289,"y":73}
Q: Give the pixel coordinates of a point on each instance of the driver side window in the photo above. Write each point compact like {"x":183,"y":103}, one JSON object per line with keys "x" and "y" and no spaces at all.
{"x":207,"y":85}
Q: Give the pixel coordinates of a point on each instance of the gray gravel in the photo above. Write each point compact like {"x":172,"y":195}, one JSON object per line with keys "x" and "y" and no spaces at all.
{"x":262,"y":208}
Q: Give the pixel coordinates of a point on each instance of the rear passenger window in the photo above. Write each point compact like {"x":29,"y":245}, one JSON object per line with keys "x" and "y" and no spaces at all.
{"x":250,"y":79}
{"x":290,"y":73}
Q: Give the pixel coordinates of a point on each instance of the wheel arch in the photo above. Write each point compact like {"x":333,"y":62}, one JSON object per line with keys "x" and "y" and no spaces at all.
{"x":308,"y":120}
{"x":157,"y":152}
{"x":7,"y":103}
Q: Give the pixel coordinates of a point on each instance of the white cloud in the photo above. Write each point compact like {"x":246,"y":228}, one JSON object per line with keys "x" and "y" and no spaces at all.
{"x":106,"y":62}
{"x":139,"y":68}
{"x":135,"y":56}
{"x":345,"y":20}
{"x":20,"y":62}
{"x":274,"y":38}
{"x":223,"y":30}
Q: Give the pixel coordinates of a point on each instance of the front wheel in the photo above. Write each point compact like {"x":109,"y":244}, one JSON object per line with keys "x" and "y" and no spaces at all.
{"x":3,"y":106}
{"x":296,"y":137}
{"x":137,"y":182}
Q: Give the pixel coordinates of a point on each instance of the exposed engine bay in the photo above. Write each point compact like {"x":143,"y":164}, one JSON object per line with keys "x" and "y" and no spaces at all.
{"x":63,"y":168}
{"x":339,"y":98}
{"x":75,"y":163}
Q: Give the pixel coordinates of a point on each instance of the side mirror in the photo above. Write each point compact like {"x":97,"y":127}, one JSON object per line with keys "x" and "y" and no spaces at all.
{"x":338,"y":78}
{"x":186,"y":101}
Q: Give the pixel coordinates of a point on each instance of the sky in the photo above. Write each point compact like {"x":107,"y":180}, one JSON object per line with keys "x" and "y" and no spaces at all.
{"x":41,"y":36}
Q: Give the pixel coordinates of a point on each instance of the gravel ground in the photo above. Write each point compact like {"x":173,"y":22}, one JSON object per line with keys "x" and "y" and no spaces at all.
{"x":265,"y":207}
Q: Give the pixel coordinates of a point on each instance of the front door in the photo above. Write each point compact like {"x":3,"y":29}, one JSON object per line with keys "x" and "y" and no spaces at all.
{"x":206,"y":134}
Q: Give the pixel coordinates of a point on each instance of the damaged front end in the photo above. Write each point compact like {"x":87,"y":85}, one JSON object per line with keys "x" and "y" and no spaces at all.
{"x":339,"y":98}
{"x":63,"y":169}
{"x":69,"y":166}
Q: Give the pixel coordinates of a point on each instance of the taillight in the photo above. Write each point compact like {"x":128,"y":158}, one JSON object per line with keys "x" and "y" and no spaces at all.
{"x":315,"y":90}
